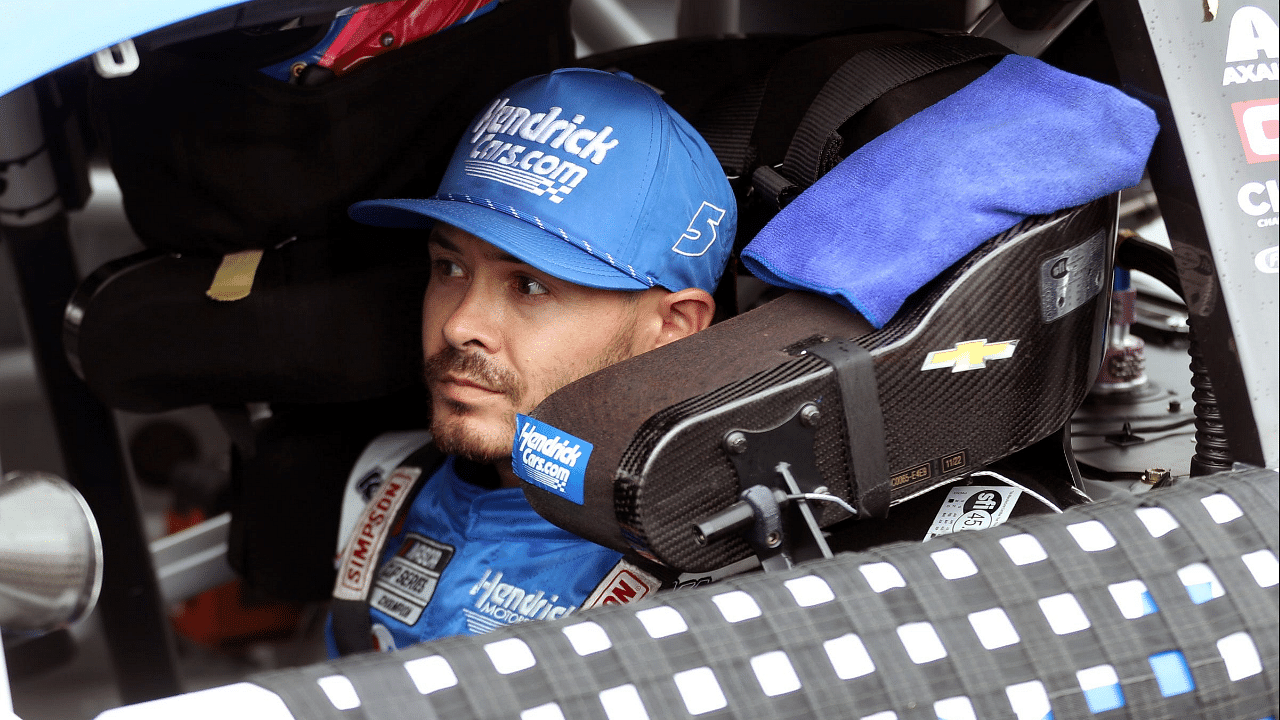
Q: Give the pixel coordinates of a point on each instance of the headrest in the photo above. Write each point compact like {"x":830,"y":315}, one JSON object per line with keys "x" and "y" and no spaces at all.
{"x":992,"y":356}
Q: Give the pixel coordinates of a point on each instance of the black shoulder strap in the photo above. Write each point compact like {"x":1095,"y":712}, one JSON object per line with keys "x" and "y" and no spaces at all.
{"x":815,"y":146}
{"x":352,"y":627}
{"x":863,"y":78}
{"x":730,"y":126}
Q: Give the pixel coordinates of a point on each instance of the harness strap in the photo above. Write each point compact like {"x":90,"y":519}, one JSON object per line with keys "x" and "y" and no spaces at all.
{"x":863,"y":78}
{"x":729,"y":127}
{"x":863,"y":423}
{"x":632,"y":579}
{"x":352,"y":626}
{"x":816,"y":145}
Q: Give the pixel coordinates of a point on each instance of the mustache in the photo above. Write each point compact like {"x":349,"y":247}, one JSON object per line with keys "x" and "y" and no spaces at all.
{"x":474,"y":367}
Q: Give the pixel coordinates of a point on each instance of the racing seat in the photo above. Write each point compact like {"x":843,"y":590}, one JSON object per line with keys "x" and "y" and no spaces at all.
{"x":797,"y":427}
{"x":988,"y":360}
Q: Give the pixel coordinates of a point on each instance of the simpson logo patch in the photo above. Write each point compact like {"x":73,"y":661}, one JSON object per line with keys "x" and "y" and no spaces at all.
{"x":543,"y":153}
{"x":355,"y":570}
{"x":552,"y":459}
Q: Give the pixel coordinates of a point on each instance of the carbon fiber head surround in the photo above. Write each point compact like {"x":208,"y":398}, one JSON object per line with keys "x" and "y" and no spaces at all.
{"x":990,"y":357}
{"x":609,"y":407}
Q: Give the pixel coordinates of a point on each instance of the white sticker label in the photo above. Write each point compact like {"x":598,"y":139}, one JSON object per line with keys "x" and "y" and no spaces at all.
{"x":1072,"y":277}
{"x":396,"y":606}
{"x":973,"y":507}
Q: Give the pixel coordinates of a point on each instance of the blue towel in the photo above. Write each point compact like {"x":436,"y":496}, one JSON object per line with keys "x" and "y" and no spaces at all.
{"x":1023,"y":139}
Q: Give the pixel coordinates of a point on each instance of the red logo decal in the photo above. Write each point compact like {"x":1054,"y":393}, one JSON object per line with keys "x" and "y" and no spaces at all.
{"x":627,"y":586}
{"x":1259,"y":124}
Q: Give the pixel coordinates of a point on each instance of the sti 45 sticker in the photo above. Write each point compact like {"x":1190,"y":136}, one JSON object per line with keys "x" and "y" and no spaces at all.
{"x":552,"y":459}
{"x":973,"y":507}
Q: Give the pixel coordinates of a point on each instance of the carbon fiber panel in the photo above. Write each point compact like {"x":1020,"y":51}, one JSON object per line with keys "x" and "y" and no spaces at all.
{"x":654,"y":480}
{"x":1012,"y":379}
{"x":732,"y":359}
{"x":994,"y":295}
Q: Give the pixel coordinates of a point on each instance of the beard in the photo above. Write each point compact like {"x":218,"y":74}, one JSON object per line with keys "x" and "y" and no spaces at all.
{"x":456,"y":429}
{"x":450,"y":430}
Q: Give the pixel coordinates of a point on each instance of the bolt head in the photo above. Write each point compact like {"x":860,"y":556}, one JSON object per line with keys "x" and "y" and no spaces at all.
{"x":1155,"y":476}
{"x":735,"y":442}
{"x":810,"y":415}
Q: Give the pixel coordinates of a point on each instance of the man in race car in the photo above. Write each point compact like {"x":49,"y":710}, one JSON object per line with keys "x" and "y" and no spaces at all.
{"x":581,"y":221}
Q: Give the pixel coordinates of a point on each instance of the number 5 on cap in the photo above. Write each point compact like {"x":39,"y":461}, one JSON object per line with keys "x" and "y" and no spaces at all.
{"x":709,"y":214}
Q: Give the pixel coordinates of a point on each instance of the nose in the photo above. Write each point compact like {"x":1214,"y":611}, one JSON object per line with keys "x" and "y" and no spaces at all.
{"x":473,"y":321}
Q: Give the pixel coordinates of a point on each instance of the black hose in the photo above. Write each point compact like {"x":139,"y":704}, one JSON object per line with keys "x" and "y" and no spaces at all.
{"x":1213,"y":452}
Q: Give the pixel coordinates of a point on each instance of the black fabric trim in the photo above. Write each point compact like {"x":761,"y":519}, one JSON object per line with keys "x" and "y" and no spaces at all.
{"x":351,"y":625}
{"x":483,"y":475}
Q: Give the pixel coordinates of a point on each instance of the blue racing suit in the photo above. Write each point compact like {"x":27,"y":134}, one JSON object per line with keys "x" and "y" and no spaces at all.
{"x":468,"y":559}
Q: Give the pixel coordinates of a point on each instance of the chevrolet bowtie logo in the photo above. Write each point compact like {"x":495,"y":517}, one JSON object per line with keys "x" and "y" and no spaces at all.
{"x":969,"y":355}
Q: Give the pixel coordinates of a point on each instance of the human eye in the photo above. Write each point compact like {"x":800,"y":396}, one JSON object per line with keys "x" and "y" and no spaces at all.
{"x":446,"y":268}
{"x":529,"y":286}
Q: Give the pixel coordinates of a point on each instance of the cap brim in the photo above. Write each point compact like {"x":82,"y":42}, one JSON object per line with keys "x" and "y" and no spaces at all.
{"x":540,"y":248}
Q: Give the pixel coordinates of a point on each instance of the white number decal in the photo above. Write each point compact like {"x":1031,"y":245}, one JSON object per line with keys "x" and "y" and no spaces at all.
{"x":693,"y":238}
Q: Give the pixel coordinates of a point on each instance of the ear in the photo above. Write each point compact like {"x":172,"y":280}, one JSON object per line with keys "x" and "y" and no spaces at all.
{"x":681,"y":314}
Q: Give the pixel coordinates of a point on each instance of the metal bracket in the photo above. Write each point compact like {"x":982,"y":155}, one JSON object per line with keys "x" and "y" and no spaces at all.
{"x":774,"y":512}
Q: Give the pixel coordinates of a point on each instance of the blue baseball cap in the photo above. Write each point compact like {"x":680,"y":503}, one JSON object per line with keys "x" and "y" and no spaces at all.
{"x":588,"y":176}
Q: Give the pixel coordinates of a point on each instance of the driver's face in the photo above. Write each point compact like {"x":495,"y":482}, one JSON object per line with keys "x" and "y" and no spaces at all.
{"x":499,"y":336}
